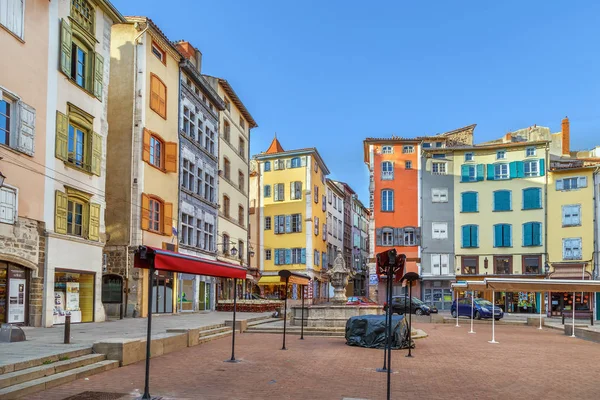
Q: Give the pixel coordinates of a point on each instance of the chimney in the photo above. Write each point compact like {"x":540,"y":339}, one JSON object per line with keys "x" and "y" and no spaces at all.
{"x":198,"y":60}
{"x":566,"y":137}
{"x":508,"y":137}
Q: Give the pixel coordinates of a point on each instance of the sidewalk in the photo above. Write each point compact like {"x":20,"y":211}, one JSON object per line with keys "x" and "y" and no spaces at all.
{"x":43,"y":342}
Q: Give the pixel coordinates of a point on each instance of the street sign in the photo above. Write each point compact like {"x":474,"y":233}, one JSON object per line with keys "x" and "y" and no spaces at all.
{"x":373,"y":279}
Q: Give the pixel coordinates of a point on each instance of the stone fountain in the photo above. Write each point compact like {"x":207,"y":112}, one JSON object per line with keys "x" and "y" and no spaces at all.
{"x":339,"y":276}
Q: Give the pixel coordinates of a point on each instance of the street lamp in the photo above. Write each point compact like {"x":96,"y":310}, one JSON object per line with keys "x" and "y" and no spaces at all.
{"x":547,"y":269}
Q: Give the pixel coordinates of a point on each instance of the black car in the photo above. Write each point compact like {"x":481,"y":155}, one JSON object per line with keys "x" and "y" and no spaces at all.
{"x":399,"y":306}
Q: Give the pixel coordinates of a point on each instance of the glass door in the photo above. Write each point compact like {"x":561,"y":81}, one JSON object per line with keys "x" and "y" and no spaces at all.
{"x":202,"y":296}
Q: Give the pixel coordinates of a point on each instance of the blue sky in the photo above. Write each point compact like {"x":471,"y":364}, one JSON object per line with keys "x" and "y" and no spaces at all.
{"x":330,"y":73}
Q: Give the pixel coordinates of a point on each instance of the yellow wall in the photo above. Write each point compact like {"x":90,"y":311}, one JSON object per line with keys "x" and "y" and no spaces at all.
{"x":317,"y":211}
{"x":486,"y":218}
{"x":557,"y":199}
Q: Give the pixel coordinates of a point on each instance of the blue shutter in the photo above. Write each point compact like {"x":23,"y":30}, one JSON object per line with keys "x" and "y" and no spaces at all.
{"x":276,"y":256}
{"x":303,"y":256}
{"x":474,"y":236}
{"x":512,"y":167}
{"x":498,"y":235}
{"x":536,"y":234}
{"x":288,"y":256}
{"x":527,"y":234}
{"x":520,"y":169}
{"x":480,"y":172}
{"x":502,"y":200}
{"x":288,"y":224}
{"x":464,"y":173}
{"x":267,"y":191}
{"x":542,"y":167}
{"x":490,"y":172}
{"x":507,"y":239}
{"x":466,"y":236}
{"x":324,"y":256}
{"x":276,"y":220}
{"x":537,"y":198}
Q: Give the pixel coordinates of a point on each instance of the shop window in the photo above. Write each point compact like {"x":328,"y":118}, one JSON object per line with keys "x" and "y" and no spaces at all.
{"x":532,"y":265}
{"x":73,"y":295}
{"x":470,"y":265}
{"x":158,"y":96}
{"x":502,"y":265}
{"x":76,"y":215}
{"x":157,"y":215}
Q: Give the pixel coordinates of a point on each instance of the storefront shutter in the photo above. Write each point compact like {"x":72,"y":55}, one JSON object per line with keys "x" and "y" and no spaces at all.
{"x":490,"y":172}
{"x":168,"y":219}
{"x":60,"y":212}
{"x":145,"y":212}
{"x":480,"y":171}
{"x":464,"y":173}
{"x":26,"y":129}
{"x":62,"y":136}
{"x":65,"y":47}
{"x":146,"y":146}
{"x":98,"y":76}
{"x":171,"y":157}
{"x":96,"y":154}
{"x":94,"y":231}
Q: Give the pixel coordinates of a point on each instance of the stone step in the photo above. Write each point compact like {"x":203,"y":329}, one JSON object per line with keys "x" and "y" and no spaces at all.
{"x":209,"y":332}
{"x":37,"y":385}
{"x":266,"y":320}
{"x":205,"y":339}
{"x":28,"y":374}
{"x":210,"y":327}
{"x":40,"y":361}
{"x":297,"y":332}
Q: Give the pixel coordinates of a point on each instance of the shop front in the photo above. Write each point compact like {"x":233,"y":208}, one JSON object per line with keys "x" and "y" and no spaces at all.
{"x":74,"y":295}
{"x":14,"y":293}
{"x":518,"y":302}
{"x":195,"y":293}
{"x":437,"y":293}
{"x":565,"y":301}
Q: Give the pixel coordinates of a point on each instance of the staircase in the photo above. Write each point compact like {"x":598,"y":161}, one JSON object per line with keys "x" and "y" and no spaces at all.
{"x":214,"y":332}
{"x":276,"y":326}
{"x":48,"y":372}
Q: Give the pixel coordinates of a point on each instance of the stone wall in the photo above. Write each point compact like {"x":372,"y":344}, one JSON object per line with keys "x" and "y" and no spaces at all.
{"x":119,"y":259}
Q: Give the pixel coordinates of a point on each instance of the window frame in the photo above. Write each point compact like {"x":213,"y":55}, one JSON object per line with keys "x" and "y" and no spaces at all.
{"x":384,"y":232}
{"x":532,"y":154}
{"x":387,"y":175}
{"x":268,"y":224}
{"x":408,"y":149}
{"x":152,"y":212}
{"x":439,"y":164}
{"x":463,"y":265}
{"x":500,"y":175}
{"x":187,"y":229}
{"x":226,"y":206}
{"x":267,"y":166}
{"x":510,"y":264}
{"x":161,"y":157}
{"x":385,"y":200}
{"x":188,"y":175}
{"x":469,"y":157}
{"x":14,"y":191}
{"x":387,"y":149}
{"x":163,"y":54}
{"x":408,"y":165}
{"x":563,"y":208}
{"x":530,"y":164}
{"x":524,"y":267}
{"x":501,"y":155}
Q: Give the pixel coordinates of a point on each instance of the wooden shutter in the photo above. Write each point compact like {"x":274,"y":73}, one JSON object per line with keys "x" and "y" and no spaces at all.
{"x":8,"y":204}
{"x":528,"y":234}
{"x":94,"y":231}
{"x":168,"y":219}
{"x":98,"y":76}
{"x":378,"y":235}
{"x":26,"y":129}
{"x":398,"y":237}
{"x":466,"y":236}
{"x":288,"y":224}
{"x":288,"y":163}
{"x":288,"y":256}
{"x":490,"y":172}
{"x":65,"y":47}
{"x":498,"y":235}
{"x":537,"y":234}
{"x":436,"y":264}
{"x":445,"y":262}
{"x":418,"y":236}
{"x":162,"y":99}
{"x":145,"y":212}
{"x":171,"y":157}
{"x":146,"y":146}
{"x":62,"y":136}
{"x":512,"y":167}
{"x":61,"y":203}
{"x":96,"y":154}
{"x":464,"y":173}
{"x":480,"y":171}
{"x":582,"y":181}
{"x":520,"y":169}
{"x":303,"y":256}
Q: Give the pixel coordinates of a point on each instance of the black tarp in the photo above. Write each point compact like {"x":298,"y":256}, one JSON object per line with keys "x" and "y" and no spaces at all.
{"x":369,"y":331}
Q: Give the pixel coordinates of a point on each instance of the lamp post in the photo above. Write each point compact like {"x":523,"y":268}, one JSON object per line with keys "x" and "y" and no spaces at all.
{"x":232,"y":359}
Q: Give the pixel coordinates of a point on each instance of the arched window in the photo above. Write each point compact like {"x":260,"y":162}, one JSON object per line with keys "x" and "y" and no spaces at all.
{"x":387,"y":200}
{"x":387,"y":170}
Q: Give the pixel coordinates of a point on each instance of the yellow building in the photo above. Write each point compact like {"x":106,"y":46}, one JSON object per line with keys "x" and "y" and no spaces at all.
{"x":292,"y":217}
{"x":499,"y":208}
{"x":142,"y":183}
{"x":570,"y":229}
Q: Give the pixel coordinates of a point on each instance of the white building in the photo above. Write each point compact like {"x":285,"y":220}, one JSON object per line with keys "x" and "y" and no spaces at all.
{"x":335,"y":223}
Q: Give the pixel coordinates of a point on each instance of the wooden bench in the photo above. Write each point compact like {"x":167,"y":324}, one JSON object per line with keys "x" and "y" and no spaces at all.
{"x":582,"y":314}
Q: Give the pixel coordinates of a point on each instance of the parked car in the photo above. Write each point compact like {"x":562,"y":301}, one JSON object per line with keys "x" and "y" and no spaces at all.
{"x":360,"y":301}
{"x":481,"y":309}
{"x":399,"y":306}
{"x":433,"y":308}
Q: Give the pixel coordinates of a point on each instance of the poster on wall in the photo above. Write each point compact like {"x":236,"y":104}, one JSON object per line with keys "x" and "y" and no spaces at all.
{"x":72,"y":301}
{"x":16,"y":301}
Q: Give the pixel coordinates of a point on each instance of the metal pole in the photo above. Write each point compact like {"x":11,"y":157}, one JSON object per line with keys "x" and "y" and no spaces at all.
{"x":233,"y":360}
{"x":302,"y":318}
{"x":410,"y":322}
{"x":67,"y":329}
{"x":493,"y":319}
{"x":389,"y":336}
{"x":384,"y":369}
{"x":540,"y":305}
{"x":285,"y":312}
{"x":146,"y":395}
{"x":573,"y":323}
{"x":456,"y":294}
{"x":472,"y":307}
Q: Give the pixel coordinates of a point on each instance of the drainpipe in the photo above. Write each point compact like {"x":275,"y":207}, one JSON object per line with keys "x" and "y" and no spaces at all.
{"x":596,"y":205}
{"x":546,"y":175}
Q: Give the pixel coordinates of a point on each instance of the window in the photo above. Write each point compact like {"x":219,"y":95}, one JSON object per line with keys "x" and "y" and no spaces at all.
{"x":502,"y":200}
{"x":279,"y":224}
{"x":199,"y":131}
{"x":160,"y":54}
{"x":5,"y":120}
{"x":501,"y":171}
{"x":156,"y":150}
{"x":75,"y":216}
{"x":329,"y":196}
{"x":387,"y":170}
{"x":387,"y":238}
{"x":155,"y":215}
{"x":531,"y":168}
{"x":469,"y":265}
{"x":502,"y":265}
{"x":199,"y":182}
{"x":439,"y":195}
{"x":241,"y":181}
{"x":572,"y":249}
{"x":335,"y":221}
{"x":470,"y":236}
{"x":296,"y":256}
{"x":387,"y":150}
{"x":228,"y":106}
{"x":408,"y":149}
{"x":268,"y":255}
{"x":189,"y":123}
{"x":267,"y":190}
{"x":439,"y":144}
{"x":439,"y":230}
{"x":241,"y":215}
{"x":267,"y":223}
{"x":438,"y":168}
{"x":240,"y":250}
{"x":226,"y":131}
{"x":296,"y":190}
{"x":426,"y":145}
{"x":503,"y":235}
{"x":267,"y":166}
{"x":188,"y":175}
{"x":77,"y":146}
{"x":278,"y":188}
{"x":408,"y":165}
{"x":316,"y":258}
{"x":501,"y":155}
{"x":8,"y":205}
{"x":532,"y":198}
{"x":316,"y":223}
{"x":83,"y":13}
{"x":209,"y":237}
{"x":226,"y":205}
{"x":11,"y":16}
{"x":387,"y":200}
{"x":469,"y":202}
{"x":316,"y":194}
{"x":469,"y":157}
{"x":571,"y":215}
{"x":324,"y":232}
{"x":571,"y":183}
{"x":242,"y":148}
{"x":296,"y":223}
{"x":209,"y":141}
{"x":530,"y":152}
{"x":279,"y":165}
{"x":209,"y":187}
{"x":199,"y":233}
{"x":471,"y":172}
{"x":532,"y":265}
{"x":296,"y":163}
{"x":440,"y":264}
{"x":410,"y":237}
{"x":187,"y":229}
{"x":158,"y":96}
{"x":227,"y":168}
{"x":323,"y":203}
{"x":532,"y":234}
{"x":80,"y":64}
{"x":226,"y":243}
{"x":242,"y":123}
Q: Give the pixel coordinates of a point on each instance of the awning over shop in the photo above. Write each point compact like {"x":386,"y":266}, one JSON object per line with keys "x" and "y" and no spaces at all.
{"x":469,"y":285}
{"x":542,"y":285}
{"x":166,"y":260}
{"x":270,"y":280}
{"x":294,"y":277}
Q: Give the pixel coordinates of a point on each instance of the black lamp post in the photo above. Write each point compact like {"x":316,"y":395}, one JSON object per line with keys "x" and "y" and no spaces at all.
{"x":547,"y":270}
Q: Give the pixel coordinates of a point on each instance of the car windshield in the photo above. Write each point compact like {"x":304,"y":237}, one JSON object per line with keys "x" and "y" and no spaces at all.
{"x":484,"y":303}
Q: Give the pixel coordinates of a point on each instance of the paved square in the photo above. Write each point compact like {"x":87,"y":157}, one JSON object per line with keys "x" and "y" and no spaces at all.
{"x":450,"y":363}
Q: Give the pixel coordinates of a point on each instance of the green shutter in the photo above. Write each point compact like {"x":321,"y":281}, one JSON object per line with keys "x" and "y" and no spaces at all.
{"x":480,"y":172}
{"x":527,"y":234}
{"x":542,"y":167}
{"x":512,"y":167}
{"x":94,"y":231}
{"x":474,"y":236}
{"x":466,"y":236}
{"x":520,"y":169}
{"x":96,"y":154}
{"x":98,"y":76}
{"x":498,"y":235}
{"x":60,"y":212}
{"x":464,"y":173}
{"x":65,"y":47}
{"x":536,"y":233}
{"x":490,"y":172}
{"x":62,"y":136}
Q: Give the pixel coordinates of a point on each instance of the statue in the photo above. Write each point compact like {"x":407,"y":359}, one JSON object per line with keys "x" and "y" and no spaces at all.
{"x":338,"y":276}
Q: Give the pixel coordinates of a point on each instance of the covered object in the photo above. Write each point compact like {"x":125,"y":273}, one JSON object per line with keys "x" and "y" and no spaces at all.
{"x":369,"y":331}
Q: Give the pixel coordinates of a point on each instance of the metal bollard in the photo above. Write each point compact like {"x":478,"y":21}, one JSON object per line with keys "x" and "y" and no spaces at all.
{"x":67,"y":329}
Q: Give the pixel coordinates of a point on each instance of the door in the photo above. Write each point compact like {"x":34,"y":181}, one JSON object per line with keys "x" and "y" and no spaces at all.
{"x":202,"y":296}
{"x":163,"y":293}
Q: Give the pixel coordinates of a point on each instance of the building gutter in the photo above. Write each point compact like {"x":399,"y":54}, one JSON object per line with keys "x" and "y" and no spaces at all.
{"x":595,"y":257}
{"x":547,"y":174}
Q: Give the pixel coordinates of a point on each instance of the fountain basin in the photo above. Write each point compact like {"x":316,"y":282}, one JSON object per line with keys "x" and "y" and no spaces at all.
{"x":331,"y":315}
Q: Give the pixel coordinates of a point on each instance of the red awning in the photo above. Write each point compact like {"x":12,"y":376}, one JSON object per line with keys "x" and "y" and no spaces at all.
{"x":176,"y":262}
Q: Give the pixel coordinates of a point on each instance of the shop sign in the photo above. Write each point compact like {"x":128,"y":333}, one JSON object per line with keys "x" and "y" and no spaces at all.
{"x":16,"y":273}
{"x":373,"y":279}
